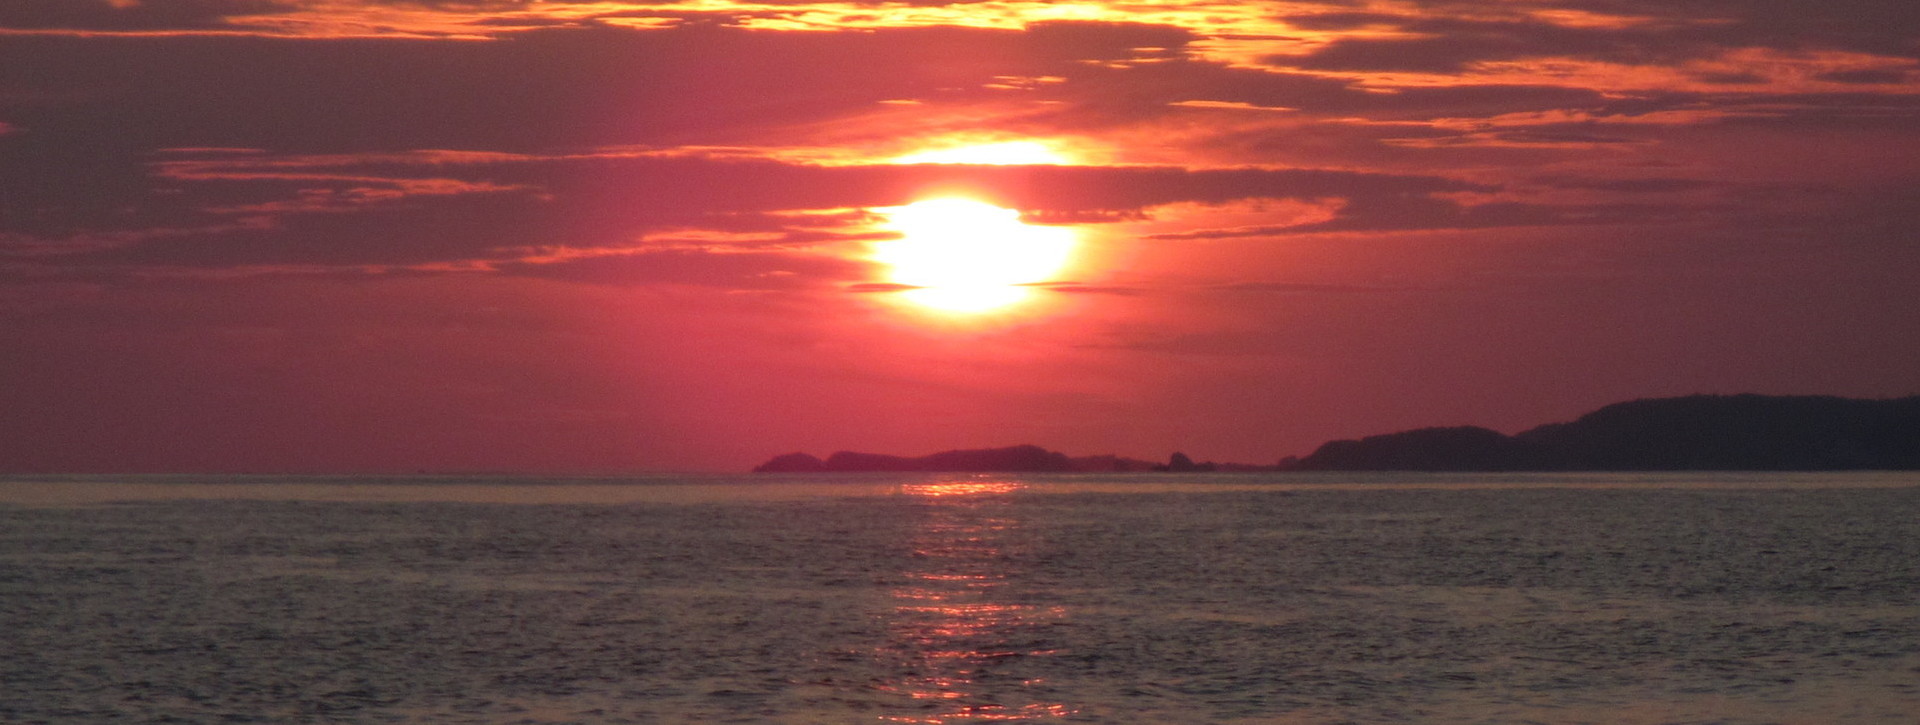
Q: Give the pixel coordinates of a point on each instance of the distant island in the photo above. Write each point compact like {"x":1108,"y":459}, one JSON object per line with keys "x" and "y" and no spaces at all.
{"x":1692,"y":433}
{"x":1024,"y":458}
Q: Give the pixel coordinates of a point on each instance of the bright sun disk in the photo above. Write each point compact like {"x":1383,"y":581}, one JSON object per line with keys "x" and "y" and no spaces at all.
{"x":962,"y":255}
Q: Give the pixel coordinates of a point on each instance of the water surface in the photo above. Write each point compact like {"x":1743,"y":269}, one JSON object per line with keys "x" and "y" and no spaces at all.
{"x":1671,"y":598}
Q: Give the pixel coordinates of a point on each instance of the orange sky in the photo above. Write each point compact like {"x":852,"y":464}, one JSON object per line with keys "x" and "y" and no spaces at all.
{"x":358,"y":235}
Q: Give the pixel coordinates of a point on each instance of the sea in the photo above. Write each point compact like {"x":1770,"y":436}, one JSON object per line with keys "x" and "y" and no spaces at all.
{"x":1293,"y":599}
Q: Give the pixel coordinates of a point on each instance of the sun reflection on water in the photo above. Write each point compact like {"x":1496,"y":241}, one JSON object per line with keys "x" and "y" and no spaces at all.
{"x":964,"y":641}
{"x":960,"y":488}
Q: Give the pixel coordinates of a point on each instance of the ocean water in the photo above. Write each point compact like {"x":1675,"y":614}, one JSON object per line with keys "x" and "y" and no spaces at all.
{"x":1349,"y":598}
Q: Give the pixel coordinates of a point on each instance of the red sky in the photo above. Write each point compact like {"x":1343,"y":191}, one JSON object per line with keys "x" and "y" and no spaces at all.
{"x":369,"y":235}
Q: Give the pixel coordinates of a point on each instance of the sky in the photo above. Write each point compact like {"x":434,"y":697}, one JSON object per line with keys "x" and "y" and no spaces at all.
{"x":513,"y":235}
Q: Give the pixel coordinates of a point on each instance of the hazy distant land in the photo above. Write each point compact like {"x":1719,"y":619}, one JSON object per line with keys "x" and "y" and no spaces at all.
{"x":1024,"y":458}
{"x":1693,"y":433}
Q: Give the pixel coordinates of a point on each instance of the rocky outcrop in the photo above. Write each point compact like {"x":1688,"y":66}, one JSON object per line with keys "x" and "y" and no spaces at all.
{"x":1181,"y":463}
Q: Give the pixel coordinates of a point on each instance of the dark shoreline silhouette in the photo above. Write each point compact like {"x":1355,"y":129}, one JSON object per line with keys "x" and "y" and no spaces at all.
{"x":1692,"y":433}
{"x":1023,"y":458}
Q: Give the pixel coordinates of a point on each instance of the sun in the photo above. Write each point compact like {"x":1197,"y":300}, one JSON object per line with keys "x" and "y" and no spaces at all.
{"x":964,"y":256}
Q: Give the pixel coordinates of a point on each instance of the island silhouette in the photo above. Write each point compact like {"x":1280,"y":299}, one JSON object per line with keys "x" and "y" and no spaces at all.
{"x":1022,"y":458}
{"x":1691,"y":433}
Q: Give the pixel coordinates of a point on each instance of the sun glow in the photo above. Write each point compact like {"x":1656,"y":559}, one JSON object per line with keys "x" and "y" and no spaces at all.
{"x":1004,"y":153}
{"x":966,"y":256}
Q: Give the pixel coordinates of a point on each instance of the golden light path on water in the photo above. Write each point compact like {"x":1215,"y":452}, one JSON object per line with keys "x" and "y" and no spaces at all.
{"x":962,"y":636}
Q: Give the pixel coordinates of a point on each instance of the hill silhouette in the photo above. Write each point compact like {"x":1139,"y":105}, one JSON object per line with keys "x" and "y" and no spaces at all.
{"x":1692,"y":433}
{"x":1699,"y":432}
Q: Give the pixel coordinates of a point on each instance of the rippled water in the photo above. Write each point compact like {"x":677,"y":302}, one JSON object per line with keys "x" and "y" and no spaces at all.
{"x":1603,"y":599}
